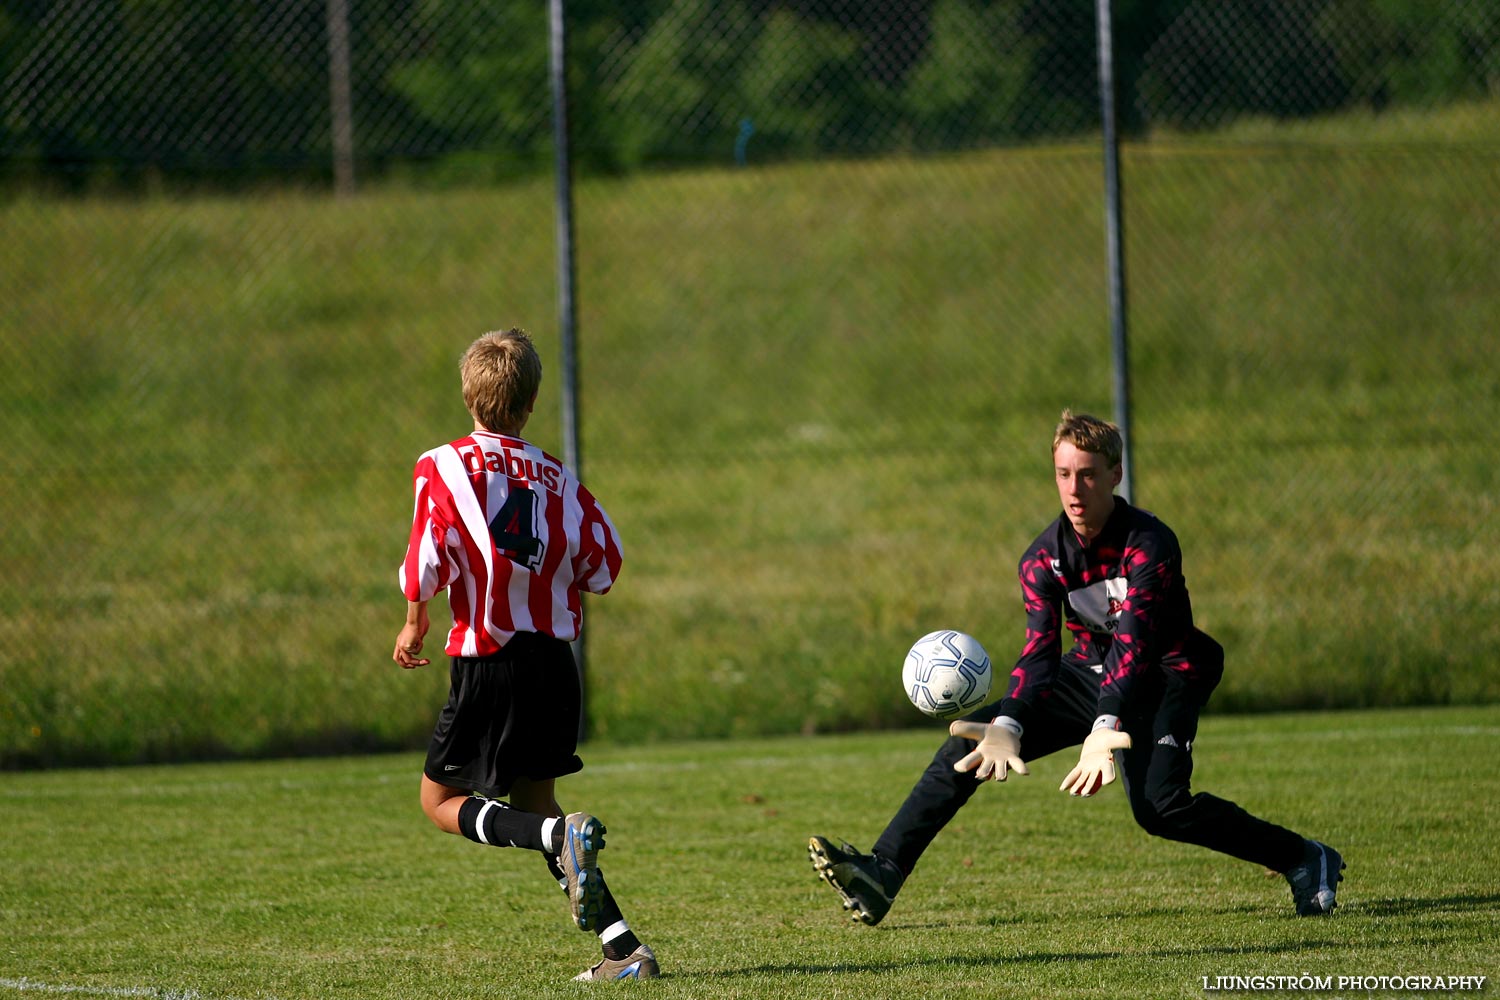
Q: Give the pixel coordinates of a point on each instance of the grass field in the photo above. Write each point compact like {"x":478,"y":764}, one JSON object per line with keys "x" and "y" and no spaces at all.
{"x":320,"y":878}
{"x":815,"y":399}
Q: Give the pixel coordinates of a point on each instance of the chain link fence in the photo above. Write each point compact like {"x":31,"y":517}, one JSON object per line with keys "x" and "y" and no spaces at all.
{"x":840,"y":265}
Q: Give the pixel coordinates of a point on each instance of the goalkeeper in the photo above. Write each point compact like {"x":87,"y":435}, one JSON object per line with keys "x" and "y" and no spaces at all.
{"x":1132,"y":684}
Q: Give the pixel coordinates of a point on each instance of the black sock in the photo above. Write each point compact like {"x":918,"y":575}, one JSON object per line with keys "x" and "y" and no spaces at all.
{"x":555,"y":867}
{"x":490,"y":821}
{"x":621,"y":944}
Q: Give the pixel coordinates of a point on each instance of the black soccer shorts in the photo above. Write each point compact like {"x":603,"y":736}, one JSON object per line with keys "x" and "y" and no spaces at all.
{"x":508,"y":716}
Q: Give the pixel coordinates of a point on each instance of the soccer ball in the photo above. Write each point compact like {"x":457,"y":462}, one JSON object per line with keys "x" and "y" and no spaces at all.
{"x":947,"y":674}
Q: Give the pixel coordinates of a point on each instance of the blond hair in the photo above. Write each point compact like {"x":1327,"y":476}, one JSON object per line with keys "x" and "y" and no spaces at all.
{"x":1087,"y":433}
{"x":501,"y":373}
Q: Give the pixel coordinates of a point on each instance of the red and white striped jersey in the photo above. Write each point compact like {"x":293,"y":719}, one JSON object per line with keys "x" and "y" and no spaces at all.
{"x":512,"y":535}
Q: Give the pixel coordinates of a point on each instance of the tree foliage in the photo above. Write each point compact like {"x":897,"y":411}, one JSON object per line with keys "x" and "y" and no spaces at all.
{"x":228,"y":91}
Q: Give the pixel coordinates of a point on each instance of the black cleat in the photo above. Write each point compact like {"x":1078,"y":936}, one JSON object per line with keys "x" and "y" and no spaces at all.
{"x":867,"y":884}
{"x":1315,"y":879}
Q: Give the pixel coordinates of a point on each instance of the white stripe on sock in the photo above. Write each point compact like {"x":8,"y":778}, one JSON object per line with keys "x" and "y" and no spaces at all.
{"x":548,"y":825}
{"x":479,"y":820}
{"x":613,"y":931}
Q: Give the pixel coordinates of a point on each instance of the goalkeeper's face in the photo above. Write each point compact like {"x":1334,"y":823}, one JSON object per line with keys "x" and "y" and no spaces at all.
{"x":1086,"y":486}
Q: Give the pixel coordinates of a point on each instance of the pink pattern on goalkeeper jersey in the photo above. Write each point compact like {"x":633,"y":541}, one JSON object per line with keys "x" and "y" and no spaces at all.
{"x":1147,"y":622}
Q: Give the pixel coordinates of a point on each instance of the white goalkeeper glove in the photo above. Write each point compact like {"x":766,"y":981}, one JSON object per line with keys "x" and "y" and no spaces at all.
{"x":999,"y":750}
{"x":1096,"y":762}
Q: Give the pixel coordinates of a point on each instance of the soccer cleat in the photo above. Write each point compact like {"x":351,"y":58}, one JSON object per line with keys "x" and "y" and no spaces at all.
{"x":867,"y":884}
{"x":1315,"y":880}
{"x":639,"y":964}
{"x":583,"y":836}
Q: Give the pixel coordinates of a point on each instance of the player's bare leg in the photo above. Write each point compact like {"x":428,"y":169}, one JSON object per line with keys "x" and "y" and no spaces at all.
{"x":441,"y":804}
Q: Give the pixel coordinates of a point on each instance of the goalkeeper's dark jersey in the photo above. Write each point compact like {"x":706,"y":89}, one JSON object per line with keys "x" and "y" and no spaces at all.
{"x":1126,"y":604}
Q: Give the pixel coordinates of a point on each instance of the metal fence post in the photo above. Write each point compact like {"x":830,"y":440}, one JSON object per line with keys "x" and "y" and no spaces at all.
{"x":1114,"y":230}
{"x":566,"y":322}
{"x":340,"y":100}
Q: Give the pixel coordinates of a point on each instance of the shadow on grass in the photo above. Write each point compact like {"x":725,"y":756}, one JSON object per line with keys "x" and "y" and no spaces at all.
{"x":1371,"y":908}
{"x":998,"y":961}
{"x":1396,"y":907}
{"x":1406,"y":906}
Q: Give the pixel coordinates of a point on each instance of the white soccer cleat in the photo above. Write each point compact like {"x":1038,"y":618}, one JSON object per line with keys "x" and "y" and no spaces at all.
{"x":639,"y":964}
{"x":583,"y":836}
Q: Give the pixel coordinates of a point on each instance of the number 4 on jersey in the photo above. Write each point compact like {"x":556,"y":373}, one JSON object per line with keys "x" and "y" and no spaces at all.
{"x":514,"y":529}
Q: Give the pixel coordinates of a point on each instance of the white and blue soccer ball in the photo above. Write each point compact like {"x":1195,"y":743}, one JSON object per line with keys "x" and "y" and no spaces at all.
{"x":947,"y":674}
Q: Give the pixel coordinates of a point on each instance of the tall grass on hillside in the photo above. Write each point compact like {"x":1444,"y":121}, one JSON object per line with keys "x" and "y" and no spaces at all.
{"x":816,"y":399}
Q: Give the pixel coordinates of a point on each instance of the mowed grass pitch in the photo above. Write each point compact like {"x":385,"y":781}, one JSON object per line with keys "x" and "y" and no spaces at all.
{"x":320,"y":878}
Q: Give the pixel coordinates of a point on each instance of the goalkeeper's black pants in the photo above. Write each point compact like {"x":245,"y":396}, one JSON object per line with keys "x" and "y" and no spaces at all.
{"x":1156,"y":773}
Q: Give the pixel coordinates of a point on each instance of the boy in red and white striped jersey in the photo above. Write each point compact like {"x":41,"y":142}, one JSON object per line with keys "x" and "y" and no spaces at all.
{"x":514,"y":538}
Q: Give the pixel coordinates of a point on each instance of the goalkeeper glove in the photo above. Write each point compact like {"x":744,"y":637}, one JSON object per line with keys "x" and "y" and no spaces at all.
{"x":999,"y":750}
{"x":1096,"y":762}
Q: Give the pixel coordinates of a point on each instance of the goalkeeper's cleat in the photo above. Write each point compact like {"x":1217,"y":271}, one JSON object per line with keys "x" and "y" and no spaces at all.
{"x":1315,"y":879}
{"x":867,"y":884}
{"x":639,"y":964}
{"x":583,"y":836}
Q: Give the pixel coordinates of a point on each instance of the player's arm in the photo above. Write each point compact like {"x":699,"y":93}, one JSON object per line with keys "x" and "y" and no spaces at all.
{"x":1042,"y":596}
{"x":1152,"y":565}
{"x":997,"y":749}
{"x":597,"y":563}
{"x":409,"y":640}
{"x":1096,"y":761}
{"x":428,"y":566}
{"x":1150,"y":568}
